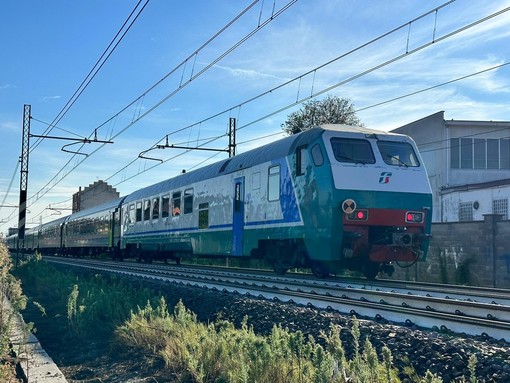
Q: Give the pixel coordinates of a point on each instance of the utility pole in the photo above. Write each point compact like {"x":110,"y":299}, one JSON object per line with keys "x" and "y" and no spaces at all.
{"x":25,"y":151}
{"x":23,"y":184}
{"x":232,"y":137}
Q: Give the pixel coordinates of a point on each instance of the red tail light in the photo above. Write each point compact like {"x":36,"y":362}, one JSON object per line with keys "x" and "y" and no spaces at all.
{"x":414,"y":217}
{"x":358,"y":215}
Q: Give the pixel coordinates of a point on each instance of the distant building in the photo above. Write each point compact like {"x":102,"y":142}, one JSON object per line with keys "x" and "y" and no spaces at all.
{"x":93,"y":195}
{"x":468,"y":164}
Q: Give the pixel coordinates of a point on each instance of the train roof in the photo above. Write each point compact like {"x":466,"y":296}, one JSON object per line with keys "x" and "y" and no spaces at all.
{"x":57,"y":221}
{"x":96,"y":209}
{"x":268,"y":152}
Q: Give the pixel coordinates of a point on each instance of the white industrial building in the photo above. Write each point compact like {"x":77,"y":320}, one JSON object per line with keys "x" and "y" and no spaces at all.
{"x":468,"y":163}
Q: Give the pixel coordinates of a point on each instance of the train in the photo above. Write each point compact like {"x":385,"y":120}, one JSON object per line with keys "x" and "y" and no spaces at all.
{"x":328,"y":199}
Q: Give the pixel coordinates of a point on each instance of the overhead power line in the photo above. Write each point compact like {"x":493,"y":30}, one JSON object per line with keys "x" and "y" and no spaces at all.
{"x":54,"y":181}
{"x":121,"y":33}
{"x":435,"y":39}
{"x":369,"y":71}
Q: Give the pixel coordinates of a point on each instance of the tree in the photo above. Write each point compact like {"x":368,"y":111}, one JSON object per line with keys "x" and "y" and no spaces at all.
{"x":331,"y":110}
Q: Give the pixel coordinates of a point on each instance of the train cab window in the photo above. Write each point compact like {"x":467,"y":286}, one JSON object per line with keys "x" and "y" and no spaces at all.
{"x":165,"y":206}
{"x":176,"y":204}
{"x":155,"y":208}
{"x":139,"y":211}
{"x":273,"y":183}
{"x":146,"y":210}
{"x":398,"y":153}
{"x":188,"y":201}
{"x":352,"y":150}
{"x":318,"y":158}
{"x":301,"y":160}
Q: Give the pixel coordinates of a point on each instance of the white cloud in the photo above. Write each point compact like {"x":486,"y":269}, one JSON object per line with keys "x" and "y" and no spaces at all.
{"x":50,"y":98}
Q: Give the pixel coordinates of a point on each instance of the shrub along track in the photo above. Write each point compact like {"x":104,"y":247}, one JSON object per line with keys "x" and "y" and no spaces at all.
{"x":99,"y":358}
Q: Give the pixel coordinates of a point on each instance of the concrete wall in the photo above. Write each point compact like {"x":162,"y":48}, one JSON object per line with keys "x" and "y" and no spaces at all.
{"x":473,"y":253}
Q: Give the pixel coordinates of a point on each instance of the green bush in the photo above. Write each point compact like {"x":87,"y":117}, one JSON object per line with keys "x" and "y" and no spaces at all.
{"x":218,"y":352}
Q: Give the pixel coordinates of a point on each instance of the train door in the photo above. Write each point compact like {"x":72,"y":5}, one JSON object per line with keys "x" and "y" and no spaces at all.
{"x":238,"y":217}
{"x":111,"y":238}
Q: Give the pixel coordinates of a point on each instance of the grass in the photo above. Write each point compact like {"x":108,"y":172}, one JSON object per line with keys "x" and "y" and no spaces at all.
{"x":199,"y":352}
{"x":10,"y":288}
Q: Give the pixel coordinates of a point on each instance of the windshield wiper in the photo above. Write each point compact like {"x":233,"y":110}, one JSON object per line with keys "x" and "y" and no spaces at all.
{"x":398,"y":160}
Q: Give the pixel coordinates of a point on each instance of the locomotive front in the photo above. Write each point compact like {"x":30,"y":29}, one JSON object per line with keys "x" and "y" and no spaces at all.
{"x":373,"y":203}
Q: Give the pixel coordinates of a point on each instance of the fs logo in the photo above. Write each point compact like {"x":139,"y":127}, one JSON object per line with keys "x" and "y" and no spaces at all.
{"x":384,"y":178}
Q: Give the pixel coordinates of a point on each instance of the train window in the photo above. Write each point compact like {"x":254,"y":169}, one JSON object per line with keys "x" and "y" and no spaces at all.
{"x":146,"y":209}
{"x":155,"y":208}
{"x":318,"y":158}
{"x":176,"y":204}
{"x":131,"y":214}
{"x":188,"y":201}
{"x":165,"y":206}
{"x":398,"y":153}
{"x":203,"y":215}
{"x":301,"y":160}
{"x":273,"y":184}
{"x":138,"y":211}
{"x":352,"y":150}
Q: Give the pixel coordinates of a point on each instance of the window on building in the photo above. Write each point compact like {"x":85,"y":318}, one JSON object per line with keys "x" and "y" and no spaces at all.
{"x":465,"y":211}
{"x":492,"y":154}
{"x":479,"y":149}
{"x":455,"y":153}
{"x":466,"y":153}
{"x":480,"y":153}
{"x":505,"y":153}
{"x":273,"y":184}
{"x":500,"y":206}
{"x":188,"y":201}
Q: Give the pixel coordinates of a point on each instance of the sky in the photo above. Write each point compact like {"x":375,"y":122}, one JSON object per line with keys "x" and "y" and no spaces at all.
{"x":133,"y":72}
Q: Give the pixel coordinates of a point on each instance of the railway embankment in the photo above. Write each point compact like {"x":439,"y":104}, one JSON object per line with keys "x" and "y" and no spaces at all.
{"x":21,"y":356}
{"x":34,"y":365}
{"x":90,"y":350}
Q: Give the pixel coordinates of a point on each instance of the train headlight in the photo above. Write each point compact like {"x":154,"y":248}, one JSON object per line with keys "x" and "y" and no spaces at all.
{"x":358,"y":215}
{"x":414,"y":217}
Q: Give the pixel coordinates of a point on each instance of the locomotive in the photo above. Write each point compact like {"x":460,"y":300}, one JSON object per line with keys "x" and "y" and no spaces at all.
{"x":330,"y":198}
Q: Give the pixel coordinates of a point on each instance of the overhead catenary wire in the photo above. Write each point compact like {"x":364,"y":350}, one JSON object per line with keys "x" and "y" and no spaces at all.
{"x":124,"y":29}
{"x":54,"y":180}
{"x":121,"y":33}
{"x":423,"y":46}
{"x":328,"y":89}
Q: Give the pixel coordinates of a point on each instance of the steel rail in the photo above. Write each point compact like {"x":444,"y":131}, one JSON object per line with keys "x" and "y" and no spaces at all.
{"x":459,"y":316}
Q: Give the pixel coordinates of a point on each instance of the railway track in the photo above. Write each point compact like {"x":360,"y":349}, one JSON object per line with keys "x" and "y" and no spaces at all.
{"x":473,"y":311}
